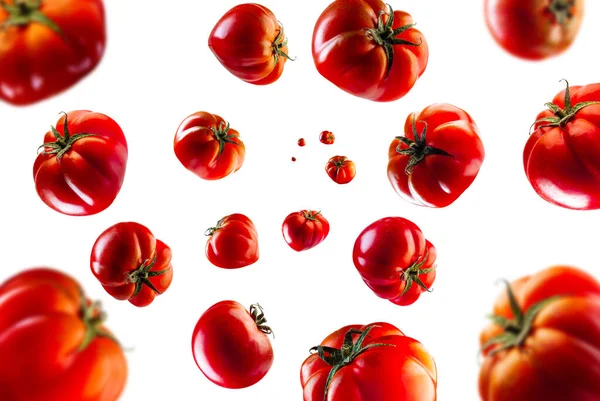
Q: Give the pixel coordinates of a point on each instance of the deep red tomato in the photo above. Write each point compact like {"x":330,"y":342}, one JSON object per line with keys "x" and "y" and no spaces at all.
{"x":369,"y":363}
{"x":544,"y":339}
{"x":304,"y":229}
{"x":53,"y":343}
{"x":341,"y":169}
{"x":250,"y":43}
{"x":82,"y":165}
{"x":301,"y":142}
{"x":241,"y":357}
{"x":208,"y":147}
{"x":369,"y":50}
{"x":327,"y":138}
{"x":233,"y":242}
{"x":47,"y":46}
{"x":562,"y":156}
{"x":131,"y":264}
{"x":534,"y":29}
{"x":395,"y":260}
{"x":438,"y":158}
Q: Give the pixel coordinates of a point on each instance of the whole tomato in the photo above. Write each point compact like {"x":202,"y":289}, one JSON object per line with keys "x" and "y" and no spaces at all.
{"x":327,"y":138}
{"x":369,"y":50}
{"x":54,"y":345}
{"x":233,"y":242}
{"x":131,"y":264}
{"x":438,"y":158}
{"x":562,"y":156}
{"x":369,"y":363}
{"x":250,"y":43}
{"x":341,"y":169}
{"x":207,"y":146}
{"x":241,"y":357}
{"x":395,"y":260}
{"x":47,"y":46}
{"x":534,"y":29}
{"x":304,"y":229}
{"x":82,"y":165}
{"x":544,"y":339}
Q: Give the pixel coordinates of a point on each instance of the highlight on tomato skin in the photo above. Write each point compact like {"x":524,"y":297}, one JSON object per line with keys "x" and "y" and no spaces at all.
{"x":304,"y":229}
{"x":232,"y":242}
{"x":340,"y":169}
{"x":301,"y":142}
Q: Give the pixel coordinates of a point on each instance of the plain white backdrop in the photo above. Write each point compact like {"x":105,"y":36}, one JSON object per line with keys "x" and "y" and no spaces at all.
{"x":158,"y":69}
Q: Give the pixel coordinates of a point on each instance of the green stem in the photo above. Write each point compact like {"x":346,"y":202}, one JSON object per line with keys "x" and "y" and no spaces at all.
{"x":63,"y":143}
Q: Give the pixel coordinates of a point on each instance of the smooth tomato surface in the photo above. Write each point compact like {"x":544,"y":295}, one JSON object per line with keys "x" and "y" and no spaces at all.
{"x":304,"y":229}
{"x":340,"y":169}
{"x":233,"y":242}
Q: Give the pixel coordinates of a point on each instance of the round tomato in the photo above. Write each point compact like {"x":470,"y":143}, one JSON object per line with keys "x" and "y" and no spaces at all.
{"x":233,"y":242}
{"x":82,"y":165}
{"x":301,"y":142}
{"x":341,"y":169}
{"x":243,"y":356}
{"x":250,"y":43}
{"x":327,"y":138}
{"x":304,"y":229}
{"x":48,"y":46}
{"x":395,"y":260}
{"x":131,"y":264}
{"x":369,"y":50}
{"x":438,"y":158}
{"x":534,"y":29}
{"x":53,"y":343}
{"x":562,"y":156}
{"x":369,"y":363}
{"x":544,"y":339}
{"x":208,"y":147}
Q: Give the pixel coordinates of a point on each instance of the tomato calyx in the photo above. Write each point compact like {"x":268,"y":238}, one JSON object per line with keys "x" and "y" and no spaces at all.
{"x":212,"y":230}
{"x":257,"y":313}
{"x":140,"y":277}
{"x":93,"y":318}
{"x":278,"y":44}
{"x":562,"y":10}
{"x":63,"y":143}
{"x":25,"y":12}
{"x":310,"y":215}
{"x":222,"y":135}
{"x":339,"y":162}
{"x":411,"y":275}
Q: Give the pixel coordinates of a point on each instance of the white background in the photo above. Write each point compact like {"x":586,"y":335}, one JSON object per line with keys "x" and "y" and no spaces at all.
{"x":158,"y":69}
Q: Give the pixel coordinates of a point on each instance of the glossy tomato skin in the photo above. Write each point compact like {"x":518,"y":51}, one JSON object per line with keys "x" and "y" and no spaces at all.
{"x":239,"y":359}
{"x":87,"y":178}
{"x":402,"y":369}
{"x":36,"y":62}
{"x":43,"y":352}
{"x":327,"y":138}
{"x":346,"y":53}
{"x":340,"y":169}
{"x":233,"y":242}
{"x":530,"y":29}
{"x":305,"y":229}
{"x":208,"y":147}
{"x":438,"y":179}
{"x":129,"y":261}
{"x":564,"y":341}
{"x":392,"y":255}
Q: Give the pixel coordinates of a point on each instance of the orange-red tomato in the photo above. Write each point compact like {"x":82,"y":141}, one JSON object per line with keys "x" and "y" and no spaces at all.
{"x":341,"y":169}
{"x":327,"y":138}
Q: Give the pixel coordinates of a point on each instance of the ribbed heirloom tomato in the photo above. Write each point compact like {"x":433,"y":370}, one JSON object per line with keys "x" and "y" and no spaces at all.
{"x":340,"y":169}
{"x":53,"y":343}
{"x":327,"y":138}
{"x":544,"y":340}
{"x":305,"y":229}
{"x":47,"y":46}
{"x":233,"y":242}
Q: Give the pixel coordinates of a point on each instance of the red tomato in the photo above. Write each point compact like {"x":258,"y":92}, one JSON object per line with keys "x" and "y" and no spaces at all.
{"x":395,"y":260}
{"x":82,"y":166}
{"x":250,"y":43}
{"x":301,"y":142}
{"x":305,"y":229}
{"x":327,"y":138}
{"x":544,"y":339}
{"x":131,"y":264}
{"x":54,"y":345}
{"x":369,"y":363}
{"x":369,"y":50}
{"x":293,"y":159}
{"x":48,"y":46}
{"x":243,"y":356}
{"x":233,"y":242}
{"x":562,"y":156}
{"x":340,"y":169}
{"x":438,"y":158}
{"x":534,"y":29}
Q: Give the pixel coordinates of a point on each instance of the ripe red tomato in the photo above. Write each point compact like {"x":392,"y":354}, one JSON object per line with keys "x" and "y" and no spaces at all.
{"x":48,"y":46}
{"x":131,"y":264}
{"x":81,"y":168}
{"x":54,"y":345}
{"x":544,"y":339}
{"x":304,"y":229}
{"x":301,"y":142}
{"x":293,"y":159}
{"x":341,"y":169}
{"x":327,"y":138}
{"x":369,"y":363}
{"x":534,"y":29}
{"x":562,"y":156}
{"x":233,"y":242}
{"x":438,"y":158}
{"x":395,"y":260}
{"x":250,"y":43}
{"x":243,"y":356}
{"x":369,"y":50}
